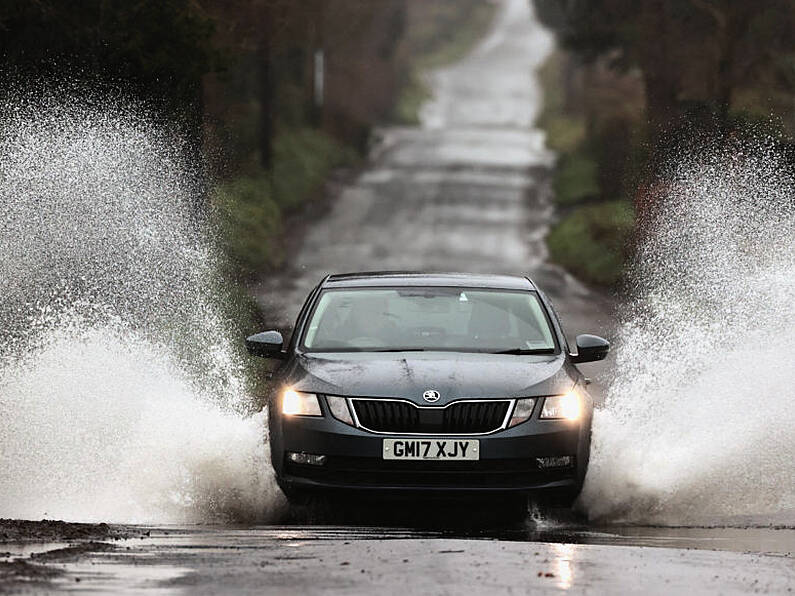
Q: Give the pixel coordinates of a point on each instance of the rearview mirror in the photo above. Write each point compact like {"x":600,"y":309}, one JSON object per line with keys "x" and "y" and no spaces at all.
{"x":590,"y":348}
{"x":267,"y":344}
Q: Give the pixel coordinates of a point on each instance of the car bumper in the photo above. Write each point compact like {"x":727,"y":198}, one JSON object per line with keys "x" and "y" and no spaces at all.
{"x":354,"y":462}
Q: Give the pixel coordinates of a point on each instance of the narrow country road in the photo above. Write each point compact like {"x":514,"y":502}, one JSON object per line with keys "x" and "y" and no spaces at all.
{"x":466,"y":191}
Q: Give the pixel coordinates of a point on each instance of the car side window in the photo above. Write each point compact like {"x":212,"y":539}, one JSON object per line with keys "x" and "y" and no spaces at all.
{"x":554,"y":314}
{"x":302,"y":314}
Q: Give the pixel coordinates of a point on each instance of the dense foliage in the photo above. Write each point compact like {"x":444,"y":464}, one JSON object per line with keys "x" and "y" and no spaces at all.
{"x":270,"y":95}
{"x":639,"y":82}
{"x":155,"y":52}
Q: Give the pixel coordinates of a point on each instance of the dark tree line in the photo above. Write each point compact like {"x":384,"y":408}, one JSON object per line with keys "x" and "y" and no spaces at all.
{"x":242,"y":64}
{"x":638,"y":85}
{"x":156,"y":52}
{"x":695,"y":56}
{"x":275,"y":51}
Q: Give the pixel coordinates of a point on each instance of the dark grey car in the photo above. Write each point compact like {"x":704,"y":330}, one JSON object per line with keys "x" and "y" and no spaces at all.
{"x":443,"y":384}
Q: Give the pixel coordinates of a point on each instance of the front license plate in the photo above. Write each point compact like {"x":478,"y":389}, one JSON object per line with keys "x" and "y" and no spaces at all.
{"x":432,"y":449}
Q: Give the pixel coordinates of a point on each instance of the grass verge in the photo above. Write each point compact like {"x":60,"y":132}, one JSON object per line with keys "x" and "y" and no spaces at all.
{"x":251,"y":207}
{"x":576,"y":179}
{"x":591,"y":239}
{"x":591,"y":242}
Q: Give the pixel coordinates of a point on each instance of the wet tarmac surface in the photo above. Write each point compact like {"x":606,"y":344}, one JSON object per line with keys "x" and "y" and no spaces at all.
{"x":334,"y":559}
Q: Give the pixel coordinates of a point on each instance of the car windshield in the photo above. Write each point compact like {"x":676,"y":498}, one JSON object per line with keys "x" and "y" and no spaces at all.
{"x":428,"y":318}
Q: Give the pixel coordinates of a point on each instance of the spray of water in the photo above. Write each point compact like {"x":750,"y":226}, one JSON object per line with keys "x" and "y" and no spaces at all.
{"x":121,"y":398}
{"x":699,"y":424}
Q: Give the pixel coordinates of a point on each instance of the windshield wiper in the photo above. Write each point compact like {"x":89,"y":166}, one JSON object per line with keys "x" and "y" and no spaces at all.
{"x":521,"y":351}
{"x":399,"y":350}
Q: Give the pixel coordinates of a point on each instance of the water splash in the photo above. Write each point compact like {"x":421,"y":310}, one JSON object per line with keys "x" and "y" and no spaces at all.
{"x":121,"y":396}
{"x":699,"y":424}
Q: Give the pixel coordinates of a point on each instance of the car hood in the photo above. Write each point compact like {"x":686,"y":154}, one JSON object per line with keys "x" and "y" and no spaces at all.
{"x":409,"y":375}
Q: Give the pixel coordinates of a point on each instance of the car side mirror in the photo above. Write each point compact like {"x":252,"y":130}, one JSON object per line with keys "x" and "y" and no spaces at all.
{"x":267,"y":344}
{"x":590,"y":348}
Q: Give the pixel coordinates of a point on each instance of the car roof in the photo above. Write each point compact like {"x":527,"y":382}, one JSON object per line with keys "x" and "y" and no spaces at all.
{"x":411,"y":278}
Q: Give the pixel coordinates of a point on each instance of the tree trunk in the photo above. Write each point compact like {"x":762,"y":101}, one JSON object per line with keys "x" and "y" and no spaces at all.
{"x":266,"y":93}
{"x":662,"y":105}
{"x":661,"y":71}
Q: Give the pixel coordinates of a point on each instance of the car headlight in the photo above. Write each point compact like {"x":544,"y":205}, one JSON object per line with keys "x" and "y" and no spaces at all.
{"x":295,"y":403}
{"x":521,"y":411}
{"x":562,"y":407}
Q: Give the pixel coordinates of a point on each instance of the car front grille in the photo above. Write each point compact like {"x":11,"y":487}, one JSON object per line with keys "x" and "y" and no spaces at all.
{"x":461,"y":417}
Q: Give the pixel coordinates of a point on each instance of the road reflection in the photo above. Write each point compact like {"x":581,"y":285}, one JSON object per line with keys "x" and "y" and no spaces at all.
{"x":488,"y":521}
{"x":564,"y":563}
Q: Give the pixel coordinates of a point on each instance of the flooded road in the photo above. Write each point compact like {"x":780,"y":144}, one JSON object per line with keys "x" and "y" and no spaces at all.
{"x":352,"y":560}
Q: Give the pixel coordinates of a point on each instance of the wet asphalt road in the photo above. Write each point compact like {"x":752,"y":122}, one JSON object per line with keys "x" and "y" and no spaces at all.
{"x":467,"y":191}
{"x":353,"y":560}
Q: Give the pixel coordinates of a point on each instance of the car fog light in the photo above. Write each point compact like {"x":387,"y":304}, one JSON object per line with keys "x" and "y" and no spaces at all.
{"x":565,"y":407}
{"x":311,"y":459}
{"x":295,"y":403}
{"x":562,"y":461}
{"x":339,"y":409}
{"x":521,"y":411}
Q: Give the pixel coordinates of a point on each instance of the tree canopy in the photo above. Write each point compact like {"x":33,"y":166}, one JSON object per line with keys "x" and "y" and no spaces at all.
{"x":716,"y":55}
{"x":159,"y":50}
